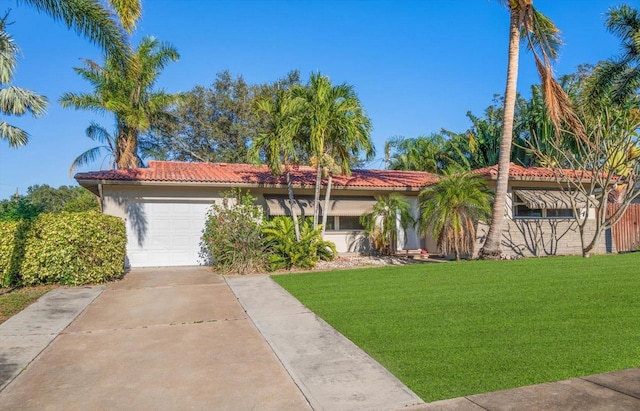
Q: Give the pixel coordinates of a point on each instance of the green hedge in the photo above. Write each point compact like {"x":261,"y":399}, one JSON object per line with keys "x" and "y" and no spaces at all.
{"x":12,"y":240}
{"x":74,"y":249}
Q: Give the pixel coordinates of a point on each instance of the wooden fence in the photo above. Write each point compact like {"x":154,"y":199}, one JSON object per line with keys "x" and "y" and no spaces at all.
{"x":626,"y":234}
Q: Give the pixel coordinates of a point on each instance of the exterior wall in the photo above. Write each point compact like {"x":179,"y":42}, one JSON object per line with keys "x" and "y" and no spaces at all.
{"x":349,"y":241}
{"x":542,"y":237}
{"x":521,"y":237}
{"x":539,"y":237}
{"x":124,"y":201}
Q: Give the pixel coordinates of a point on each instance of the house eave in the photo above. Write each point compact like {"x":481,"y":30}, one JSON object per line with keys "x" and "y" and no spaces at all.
{"x":93,"y":185}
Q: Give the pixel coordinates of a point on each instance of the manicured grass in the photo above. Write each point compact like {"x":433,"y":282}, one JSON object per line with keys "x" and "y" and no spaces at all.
{"x":448,"y":330}
{"x":14,"y":301}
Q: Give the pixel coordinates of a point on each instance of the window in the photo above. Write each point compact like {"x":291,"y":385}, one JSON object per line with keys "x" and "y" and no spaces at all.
{"x":560,"y":213}
{"x":350,"y":223}
{"x":331,"y":223}
{"x":522,"y":210}
{"x":343,"y":223}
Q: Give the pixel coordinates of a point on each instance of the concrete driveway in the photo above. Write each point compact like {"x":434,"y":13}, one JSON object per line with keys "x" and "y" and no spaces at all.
{"x":157,"y":340}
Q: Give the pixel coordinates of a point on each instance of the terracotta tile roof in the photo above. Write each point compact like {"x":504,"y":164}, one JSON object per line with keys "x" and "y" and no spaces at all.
{"x":518,"y":172}
{"x":241,"y":174}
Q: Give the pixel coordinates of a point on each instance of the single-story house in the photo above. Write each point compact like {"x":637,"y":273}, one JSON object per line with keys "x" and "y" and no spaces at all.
{"x":165,"y":206}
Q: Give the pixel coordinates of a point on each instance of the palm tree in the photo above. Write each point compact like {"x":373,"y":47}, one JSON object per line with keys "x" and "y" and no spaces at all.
{"x":94,"y":19}
{"x":543,"y":40}
{"x":346,"y":145}
{"x":336,"y":125}
{"x":432,"y":153}
{"x":381,"y":222}
{"x":108,"y":148}
{"x":280,"y":143}
{"x":128,"y":92}
{"x":451,"y":208}
{"x":618,"y":79}
{"x":14,"y":100}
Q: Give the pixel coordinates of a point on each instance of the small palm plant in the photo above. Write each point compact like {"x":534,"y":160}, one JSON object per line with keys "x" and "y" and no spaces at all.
{"x":451,"y":208}
{"x":382,"y":221}
{"x":286,"y":252}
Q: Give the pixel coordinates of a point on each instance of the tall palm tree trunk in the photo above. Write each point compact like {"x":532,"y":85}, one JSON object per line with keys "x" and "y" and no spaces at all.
{"x":492,"y":248}
{"x":316,"y":198}
{"x":292,"y":204}
{"x":327,"y":196}
{"x":119,"y":148}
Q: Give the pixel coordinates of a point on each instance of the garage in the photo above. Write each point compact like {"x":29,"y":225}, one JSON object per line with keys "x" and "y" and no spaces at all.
{"x":164,"y":233}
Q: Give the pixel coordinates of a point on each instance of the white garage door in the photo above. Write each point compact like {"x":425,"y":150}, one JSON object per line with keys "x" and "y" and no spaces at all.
{"x":164,"y":233}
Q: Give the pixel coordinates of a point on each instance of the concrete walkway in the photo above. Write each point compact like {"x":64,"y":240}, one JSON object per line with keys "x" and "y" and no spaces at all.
{"x":28,"y":333}
{"x":615,"y":391}
{"x":332,"y":372}
{"x":176,"y":339}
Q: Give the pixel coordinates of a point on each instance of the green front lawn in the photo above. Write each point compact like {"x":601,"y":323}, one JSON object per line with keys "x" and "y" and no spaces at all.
{"x":448,"y":330}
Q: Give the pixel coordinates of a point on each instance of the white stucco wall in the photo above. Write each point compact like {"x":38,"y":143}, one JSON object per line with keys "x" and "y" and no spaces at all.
{"x":124,"y":200}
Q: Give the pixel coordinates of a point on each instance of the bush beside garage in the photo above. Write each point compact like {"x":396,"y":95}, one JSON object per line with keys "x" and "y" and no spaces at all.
{"x":66,"y":248}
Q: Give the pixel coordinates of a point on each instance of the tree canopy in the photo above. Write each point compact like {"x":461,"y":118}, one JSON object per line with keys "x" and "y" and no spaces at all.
{"x":217,"y":123}
{"x":45,"y":199}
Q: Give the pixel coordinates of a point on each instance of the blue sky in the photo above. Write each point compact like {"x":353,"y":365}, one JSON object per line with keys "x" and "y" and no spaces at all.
{"x":417,"y":66}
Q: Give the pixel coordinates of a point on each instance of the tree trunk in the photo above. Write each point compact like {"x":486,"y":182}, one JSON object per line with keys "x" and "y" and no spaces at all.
{"x":127,"y":148}
{"x":292,"y":204}
{"x":327,"y":196}
{"x":393,"y":246}
{"x":316,"y":198}
{"x":120,"y":144}
{"x":492,"y":247}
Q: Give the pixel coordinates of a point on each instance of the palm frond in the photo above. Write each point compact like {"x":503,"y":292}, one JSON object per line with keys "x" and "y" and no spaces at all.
{"x":14,"y":135}
{"x":91,"y":19}
{"x":8,"y":52}
{"x":17,"y":101}
{"x":129,"y":12}
{"x":88,"y":157}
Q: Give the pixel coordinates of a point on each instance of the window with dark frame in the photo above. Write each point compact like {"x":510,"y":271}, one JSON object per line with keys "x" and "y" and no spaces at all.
{"x":343,"y":223}
{"x":351,"y":223}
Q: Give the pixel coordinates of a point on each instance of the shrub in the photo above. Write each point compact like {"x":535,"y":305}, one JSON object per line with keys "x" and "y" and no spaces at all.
{"x":12,"y":241}
{"x":286,"y":252}
{"x":74,"y":249}
{"x":231,"y":239}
